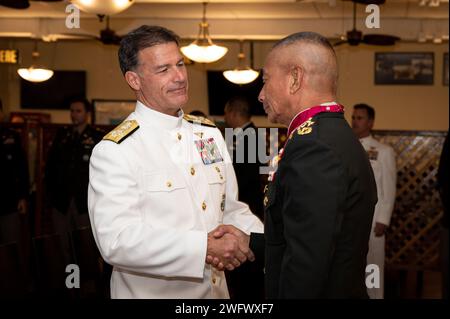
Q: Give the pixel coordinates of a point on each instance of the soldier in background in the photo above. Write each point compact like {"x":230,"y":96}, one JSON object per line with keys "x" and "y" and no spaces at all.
{"x":14,"y":185}
{"x":14,"y":191}
{"x":382,"y":159}
{"x":67,"y":173}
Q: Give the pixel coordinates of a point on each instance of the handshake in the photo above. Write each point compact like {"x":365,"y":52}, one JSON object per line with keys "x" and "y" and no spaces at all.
{"x":228,"y":248}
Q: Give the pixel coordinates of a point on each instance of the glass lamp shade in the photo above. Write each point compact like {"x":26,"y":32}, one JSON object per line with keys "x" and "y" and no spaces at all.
{"x":204,"y":53}
{"x":243,"y":76}
{"x":106,"y":7}
{"x":35,"y":74}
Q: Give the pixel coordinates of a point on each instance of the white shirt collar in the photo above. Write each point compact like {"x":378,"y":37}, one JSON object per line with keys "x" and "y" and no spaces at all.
{"x":366,"y":139}
{"x":155,"y":118}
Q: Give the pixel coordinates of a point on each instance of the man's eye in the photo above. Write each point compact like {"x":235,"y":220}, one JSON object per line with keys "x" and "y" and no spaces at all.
{"x":181,"y":63}
{"x":162,"y":70}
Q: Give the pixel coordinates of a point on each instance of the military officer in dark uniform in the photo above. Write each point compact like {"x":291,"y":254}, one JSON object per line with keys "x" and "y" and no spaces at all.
{"x":67,"y":172}
{"x":14,"y":183}
{"x":321,"y":197}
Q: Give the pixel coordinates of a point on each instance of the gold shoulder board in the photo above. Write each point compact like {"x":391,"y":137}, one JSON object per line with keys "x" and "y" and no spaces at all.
{"x":121,"y":132}
{"x":199,"y":120}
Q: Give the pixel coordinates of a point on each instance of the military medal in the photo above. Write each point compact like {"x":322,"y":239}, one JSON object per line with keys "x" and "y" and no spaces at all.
{"x":302,"y":123}
{"x":274,"y":164}
{"x":209,"y":151}
{"x":372,"y":153}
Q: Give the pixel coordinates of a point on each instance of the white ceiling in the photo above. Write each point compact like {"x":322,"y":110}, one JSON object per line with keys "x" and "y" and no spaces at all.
{"x":237,"y":19}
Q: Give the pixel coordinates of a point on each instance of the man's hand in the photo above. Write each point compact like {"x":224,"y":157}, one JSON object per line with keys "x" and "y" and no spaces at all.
{"x":225,"y":250}
{"x":22,"y":206}
{"x":380,"y":229}
{"x":243,"y":245}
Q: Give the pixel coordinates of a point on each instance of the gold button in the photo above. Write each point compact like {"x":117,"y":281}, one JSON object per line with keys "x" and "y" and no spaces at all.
{"x":214,"y":280}
{"x":192,"y":170}
{"x":169,"y":184}
{"x":221,"y":177}
{"x":179,"y":136}
{"x":204,"y":206}
{"x":266,"y":188}
{"x":217,"y":169}
{"x":265,"y":201}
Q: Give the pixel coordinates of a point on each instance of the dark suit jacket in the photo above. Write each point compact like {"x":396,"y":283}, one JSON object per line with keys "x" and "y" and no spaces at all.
{"x":318,"y":214}
{"x":247,"y":170}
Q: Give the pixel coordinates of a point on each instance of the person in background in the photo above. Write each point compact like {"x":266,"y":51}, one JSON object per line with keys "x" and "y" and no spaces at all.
{"x":14,"y":192}
{"x":382,"y":159}
{"x":246,"y":282}
{"x":67,"y":173}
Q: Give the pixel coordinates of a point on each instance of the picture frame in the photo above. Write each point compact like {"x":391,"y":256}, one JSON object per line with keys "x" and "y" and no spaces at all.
{"x":404,"y":68}
{"x":111,"y":112}
{"x":445,"y":70}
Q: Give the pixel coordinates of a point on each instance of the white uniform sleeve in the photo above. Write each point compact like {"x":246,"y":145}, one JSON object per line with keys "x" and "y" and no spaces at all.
{"x":123,"y":238}
{"x":388,"y":186}
{"x":237,"y":213}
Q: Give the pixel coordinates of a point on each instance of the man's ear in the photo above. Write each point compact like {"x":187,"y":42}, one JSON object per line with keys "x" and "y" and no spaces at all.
{"x":133,"y":80}
{"x":371,"y":122}
{"x":295,"y":79}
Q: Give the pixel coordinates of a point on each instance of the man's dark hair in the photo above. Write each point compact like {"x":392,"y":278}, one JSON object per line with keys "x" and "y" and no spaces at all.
{"x":370,"y":110}
{"x":240,"y":105}
{"x":309,"y":37}
{"x":87,"y":105}
{"x":143,"y":37}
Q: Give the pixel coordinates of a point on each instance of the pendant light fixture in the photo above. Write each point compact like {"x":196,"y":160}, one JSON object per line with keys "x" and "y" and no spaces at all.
{"x":103,"y":7}
{"x":203,"y":50}
{"x":35,"y":73}
{"x":242,"y":74}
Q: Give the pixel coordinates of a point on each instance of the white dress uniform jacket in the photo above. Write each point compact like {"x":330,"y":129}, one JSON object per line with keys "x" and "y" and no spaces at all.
{"x":382,"y":158}
{"x":152,"y":201}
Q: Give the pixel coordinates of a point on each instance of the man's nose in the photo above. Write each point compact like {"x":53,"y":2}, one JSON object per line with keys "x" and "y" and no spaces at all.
{"x":261,"y":96}
{"x":180,"y":75}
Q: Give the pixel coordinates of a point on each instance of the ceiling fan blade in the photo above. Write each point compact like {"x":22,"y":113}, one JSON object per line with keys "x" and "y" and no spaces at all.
{"x":15,"y":4}
{"x":380,"y":39}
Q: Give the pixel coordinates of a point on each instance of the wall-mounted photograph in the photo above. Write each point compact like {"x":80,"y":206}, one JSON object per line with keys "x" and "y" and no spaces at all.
{"x":414,"y":68}
{"x":111,"y":112}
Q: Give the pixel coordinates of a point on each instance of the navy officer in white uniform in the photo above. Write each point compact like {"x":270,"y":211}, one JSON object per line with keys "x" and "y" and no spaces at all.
{"x":382,"y":159}
{"x":161,"y":182}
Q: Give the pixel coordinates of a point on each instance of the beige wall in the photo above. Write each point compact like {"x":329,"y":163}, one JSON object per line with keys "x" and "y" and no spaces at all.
{"x":398,"y":107}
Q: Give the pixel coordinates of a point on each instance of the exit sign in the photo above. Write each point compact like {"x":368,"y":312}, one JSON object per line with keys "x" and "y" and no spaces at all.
{"x":9,"y":56}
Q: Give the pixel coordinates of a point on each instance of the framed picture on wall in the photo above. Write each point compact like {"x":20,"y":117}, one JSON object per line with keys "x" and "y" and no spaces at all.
{"x":111,"y":112}
{"x":413,"y":68}
{"x":445,"y":71}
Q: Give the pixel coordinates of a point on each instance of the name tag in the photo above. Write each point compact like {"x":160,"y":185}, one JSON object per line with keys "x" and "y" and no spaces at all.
{"x":209,"y":151}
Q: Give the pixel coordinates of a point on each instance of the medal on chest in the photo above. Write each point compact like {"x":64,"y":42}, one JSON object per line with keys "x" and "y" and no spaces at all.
{"x":208,"y":150}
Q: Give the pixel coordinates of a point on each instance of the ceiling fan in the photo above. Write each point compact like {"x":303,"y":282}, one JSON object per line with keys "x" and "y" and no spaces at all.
{"x":355,"y":37}
{"x":21,"y":4}
{"x":107,"y":35}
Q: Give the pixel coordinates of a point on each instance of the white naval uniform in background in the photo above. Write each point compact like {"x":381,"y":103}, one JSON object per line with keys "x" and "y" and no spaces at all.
{"x":382,"y":159}
{"x":152,"y":202}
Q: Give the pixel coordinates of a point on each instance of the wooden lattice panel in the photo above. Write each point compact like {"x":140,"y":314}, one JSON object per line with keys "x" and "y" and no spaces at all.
{"x":413,"y":238}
